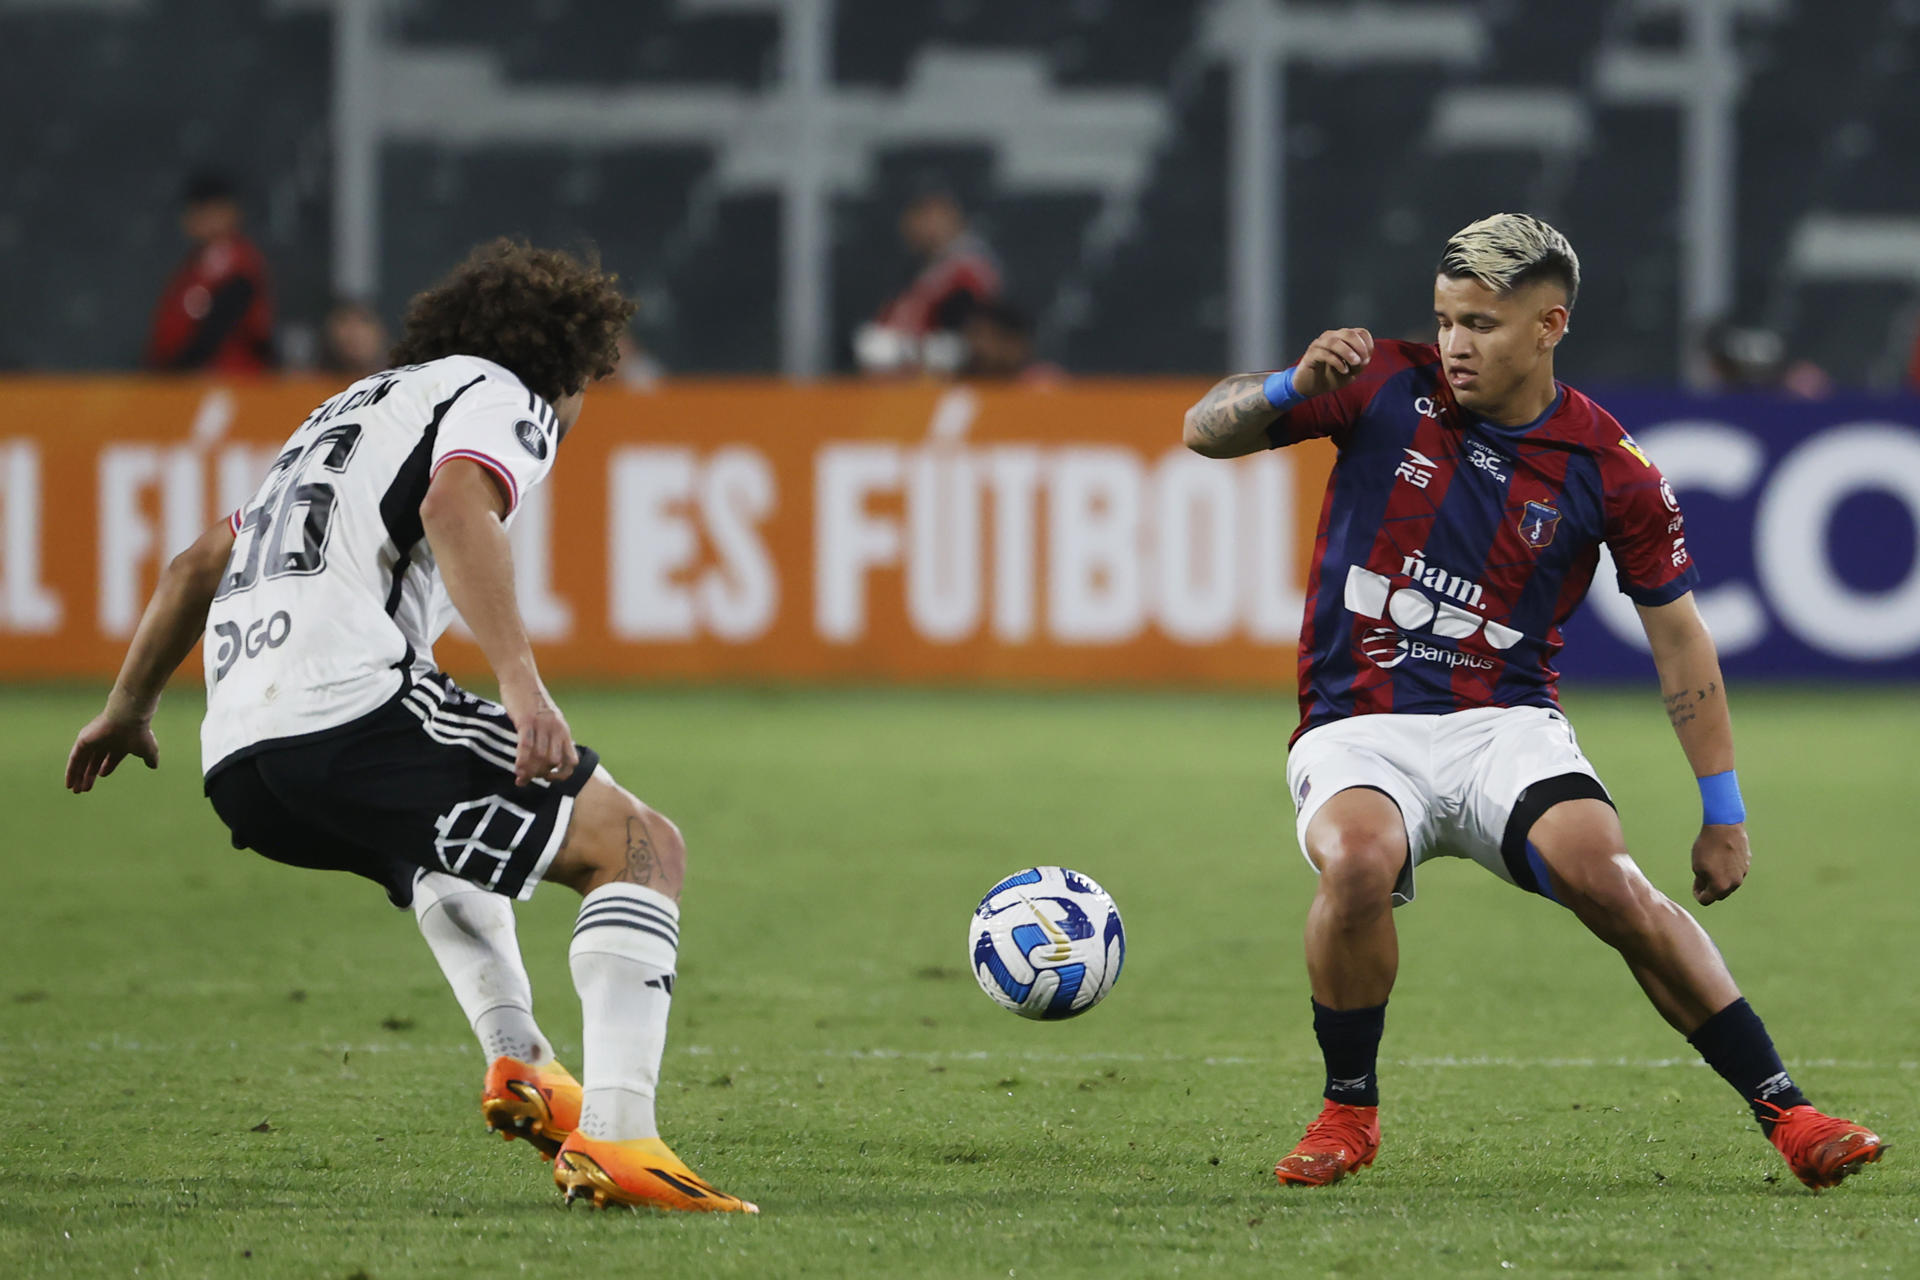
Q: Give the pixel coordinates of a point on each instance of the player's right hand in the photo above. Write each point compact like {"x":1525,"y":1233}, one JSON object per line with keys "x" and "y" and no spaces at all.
{"x":103,"y":744}
{"x":1721,"y":859}
{"x":546,"y":743}
{"x":1335,"y":359}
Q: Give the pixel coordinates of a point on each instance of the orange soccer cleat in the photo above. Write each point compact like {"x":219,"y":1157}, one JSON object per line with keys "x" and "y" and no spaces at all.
{"x":540,"y":1104}
{"x":639,"y":1171}
{"x":1342,"y":1139}
{"x":1823,"y":1150}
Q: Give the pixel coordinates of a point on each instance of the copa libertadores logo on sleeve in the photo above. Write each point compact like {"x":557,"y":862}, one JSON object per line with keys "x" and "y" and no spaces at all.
{"x":531,"y":438}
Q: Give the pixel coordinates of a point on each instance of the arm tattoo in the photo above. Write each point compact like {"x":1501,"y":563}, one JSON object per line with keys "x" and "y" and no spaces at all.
{"x":1683,"y":707}
{"x":1236,"y":409}
{"x":642,"y":862}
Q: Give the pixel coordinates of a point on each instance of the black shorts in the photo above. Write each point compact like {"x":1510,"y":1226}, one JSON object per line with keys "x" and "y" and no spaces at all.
{"x":424,"y":783}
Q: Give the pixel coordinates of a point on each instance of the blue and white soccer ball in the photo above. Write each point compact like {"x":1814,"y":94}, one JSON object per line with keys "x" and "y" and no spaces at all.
{"x":1047,"y":943}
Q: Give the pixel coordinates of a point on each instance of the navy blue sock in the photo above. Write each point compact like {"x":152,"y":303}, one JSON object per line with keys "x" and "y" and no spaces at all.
{"x":1350,"y":1042}
{"x":1735,"y":1043}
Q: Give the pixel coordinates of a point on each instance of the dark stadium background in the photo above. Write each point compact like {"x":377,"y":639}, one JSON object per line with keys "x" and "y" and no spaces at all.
{"x":1597,"y":116}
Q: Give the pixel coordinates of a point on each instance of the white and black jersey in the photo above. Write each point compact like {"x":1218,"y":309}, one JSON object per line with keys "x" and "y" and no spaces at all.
{"x":331,"y":601}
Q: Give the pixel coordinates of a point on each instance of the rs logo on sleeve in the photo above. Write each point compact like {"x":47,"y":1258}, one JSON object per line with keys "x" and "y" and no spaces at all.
{"x":531,"y":438}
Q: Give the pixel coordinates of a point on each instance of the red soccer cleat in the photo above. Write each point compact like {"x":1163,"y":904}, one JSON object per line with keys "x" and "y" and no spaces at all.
{"x":1342,"y":1140}
{"x":1823,"y":1150}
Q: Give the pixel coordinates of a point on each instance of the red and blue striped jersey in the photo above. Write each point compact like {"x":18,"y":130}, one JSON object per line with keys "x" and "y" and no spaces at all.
{"x":1451,"y":549}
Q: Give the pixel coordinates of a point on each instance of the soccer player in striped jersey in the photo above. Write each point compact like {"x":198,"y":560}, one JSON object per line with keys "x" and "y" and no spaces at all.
{"x":333,"y":741}
{"x":1462,"y":526}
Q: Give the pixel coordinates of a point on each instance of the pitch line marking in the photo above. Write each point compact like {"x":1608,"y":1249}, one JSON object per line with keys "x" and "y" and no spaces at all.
{"x":466,"y":1049}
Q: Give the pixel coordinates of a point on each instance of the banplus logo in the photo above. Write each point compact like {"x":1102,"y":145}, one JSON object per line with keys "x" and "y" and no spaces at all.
{"x":1385,"y":648}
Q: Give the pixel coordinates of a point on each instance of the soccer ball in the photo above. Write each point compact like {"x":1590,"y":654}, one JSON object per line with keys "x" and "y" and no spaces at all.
{"x":1047,"y":943}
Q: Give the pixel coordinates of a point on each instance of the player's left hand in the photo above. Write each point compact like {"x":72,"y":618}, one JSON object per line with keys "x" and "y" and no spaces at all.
{"x":108,"y":739}
{"x":1720,"y":861}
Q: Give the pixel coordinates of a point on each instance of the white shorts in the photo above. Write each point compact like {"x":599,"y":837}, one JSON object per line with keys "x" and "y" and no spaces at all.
{"x":1455,"y":777}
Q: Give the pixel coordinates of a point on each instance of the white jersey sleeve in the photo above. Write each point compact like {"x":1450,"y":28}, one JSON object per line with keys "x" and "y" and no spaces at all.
{"x":504,"y":428}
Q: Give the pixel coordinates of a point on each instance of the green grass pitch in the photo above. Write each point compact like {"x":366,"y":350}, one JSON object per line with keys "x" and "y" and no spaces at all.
{"x":214,"y":1066}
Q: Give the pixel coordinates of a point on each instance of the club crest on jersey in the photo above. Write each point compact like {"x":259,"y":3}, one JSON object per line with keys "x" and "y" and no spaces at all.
{"x":531,"y":438}
{"x":1538,"y":523}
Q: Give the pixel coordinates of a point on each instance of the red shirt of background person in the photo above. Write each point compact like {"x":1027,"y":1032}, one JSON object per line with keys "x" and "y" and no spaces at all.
{"x":921,"y":327}
{"x":216,"y":313}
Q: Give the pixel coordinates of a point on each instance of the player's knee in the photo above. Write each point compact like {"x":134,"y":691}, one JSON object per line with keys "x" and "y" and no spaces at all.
{"x":647,"y":849}
{"x":1359,"y":865}
{"x":617,"y":838}
{"x":668,"y":848}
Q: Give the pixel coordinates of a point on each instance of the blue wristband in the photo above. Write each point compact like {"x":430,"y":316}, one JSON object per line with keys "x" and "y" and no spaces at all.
{"x":1279,"y":389}
{"x":1720,"y":804}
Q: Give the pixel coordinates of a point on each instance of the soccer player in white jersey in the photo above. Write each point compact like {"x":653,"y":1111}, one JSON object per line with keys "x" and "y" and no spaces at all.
{"x":332,"y":741}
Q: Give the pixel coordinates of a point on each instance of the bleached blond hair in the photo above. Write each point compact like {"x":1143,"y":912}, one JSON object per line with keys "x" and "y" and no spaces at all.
{"x":1509,"y":250}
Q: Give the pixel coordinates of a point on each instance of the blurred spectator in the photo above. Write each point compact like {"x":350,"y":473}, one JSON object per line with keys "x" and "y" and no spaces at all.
{"x":921,"y":328}
{"x":1742,"y":359}
{"x":638,"y":370}
{"x":353,"y":340}
{"x":1000,"y":346}
{"x":216,"y":313}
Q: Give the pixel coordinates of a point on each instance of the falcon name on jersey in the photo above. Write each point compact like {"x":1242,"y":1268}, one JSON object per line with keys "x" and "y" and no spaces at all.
{"x":331,"y":601}
{"x":1451,"y":549}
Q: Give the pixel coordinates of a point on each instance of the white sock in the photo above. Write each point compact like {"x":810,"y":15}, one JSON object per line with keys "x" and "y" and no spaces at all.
{"x":471,"y":933}
{"x":623,"y":953}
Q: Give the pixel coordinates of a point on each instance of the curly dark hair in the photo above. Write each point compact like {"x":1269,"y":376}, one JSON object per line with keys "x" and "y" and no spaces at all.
{"x":552,"y":318}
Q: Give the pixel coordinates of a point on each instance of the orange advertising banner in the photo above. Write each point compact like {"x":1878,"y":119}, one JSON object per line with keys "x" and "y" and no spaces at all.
{"x":734,"y":530}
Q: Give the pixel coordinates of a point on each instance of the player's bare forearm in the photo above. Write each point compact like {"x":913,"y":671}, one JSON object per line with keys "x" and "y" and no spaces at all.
{"x":461,"y":518}
{"x":174,"y":619}
{"x":172,"y":624}
{"x":1696,"y":699}
{"x":1691,"y":685}
{"x":1232,"y":419}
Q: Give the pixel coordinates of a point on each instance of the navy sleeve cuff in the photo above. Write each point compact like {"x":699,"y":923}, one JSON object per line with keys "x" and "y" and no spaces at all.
{"x":1653,"y":597}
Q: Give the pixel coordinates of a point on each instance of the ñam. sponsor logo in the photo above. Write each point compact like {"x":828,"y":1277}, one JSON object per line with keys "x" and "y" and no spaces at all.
{"x":1451,"y":585}
{"x":1373,"y":595}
